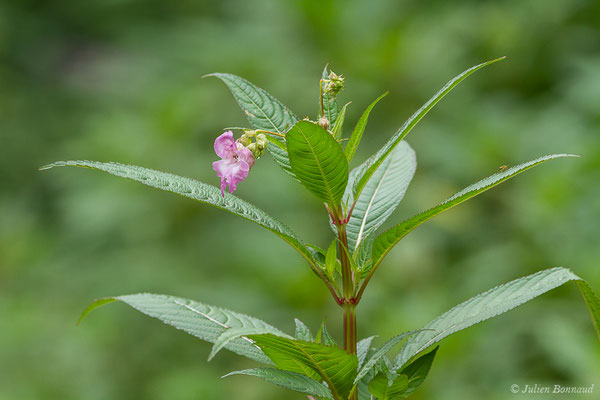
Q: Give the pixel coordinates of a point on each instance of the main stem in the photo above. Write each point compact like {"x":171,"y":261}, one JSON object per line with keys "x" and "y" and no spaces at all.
{"x":348,"y":303}
{"x":348,"y":293}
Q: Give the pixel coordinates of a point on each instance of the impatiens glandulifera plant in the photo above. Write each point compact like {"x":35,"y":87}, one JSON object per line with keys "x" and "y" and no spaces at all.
{"x":358,"y":201}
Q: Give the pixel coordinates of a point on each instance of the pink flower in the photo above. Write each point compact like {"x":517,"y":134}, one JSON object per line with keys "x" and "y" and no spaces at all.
{"x":235,"y":164}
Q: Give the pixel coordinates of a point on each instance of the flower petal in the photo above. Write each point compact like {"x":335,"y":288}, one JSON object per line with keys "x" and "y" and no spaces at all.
{"x":223,"y":186}
{"x":245,"y":154}
{"x":237,"y":173}
{"x":231,"y":171}
{"x":222,"y":167}
{"x":225,"y":146}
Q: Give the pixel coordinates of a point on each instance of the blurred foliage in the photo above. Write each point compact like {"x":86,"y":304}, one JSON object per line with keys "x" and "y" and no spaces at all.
{"x":121,"y":80}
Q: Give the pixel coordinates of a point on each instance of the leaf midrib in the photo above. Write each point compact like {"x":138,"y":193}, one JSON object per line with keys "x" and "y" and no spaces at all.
{"x":325,"y":182}
{"x":364,"y":220}
{"x":319,"y":369}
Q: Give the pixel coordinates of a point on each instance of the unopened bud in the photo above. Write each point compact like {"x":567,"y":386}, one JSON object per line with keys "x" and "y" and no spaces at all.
{"x":323,"y":123}
{"x":261,"y":141}
{"x":246,"y":138}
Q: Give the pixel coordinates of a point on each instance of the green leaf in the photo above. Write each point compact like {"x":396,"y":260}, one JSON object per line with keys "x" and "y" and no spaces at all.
{"x":357,"y":133}
{"x":278,"y":153}
{"x":417,"y":371}
{"x":198,"y":191}
{"x":263,"y":112}
{"x":288,"y":380}
{"x":375,"y":357}
{"x":353,"y":265}
{"x":317,"y":253}
{"x":593,"y":303}
{"x":331,"y":260}
{"x":374,"y":161}
{"x":363,"y":390}
{"x":388,"y":239}
{"x":494,"y":302}
{"x":330,"y":105}
{"x":198,"y":319}
{"x":324,"y":337}
{"x":339,"y":123}
{"x":330,"y":364}
{"x":233,"y":333}
{"x":318,"y":161}
{"x":381,"y":194}
{"x":302,"y":331}
{"x":362,"y":348}
{"x":362,"y":254}
{"x":381,"y":388}
{"x":97,"y":303}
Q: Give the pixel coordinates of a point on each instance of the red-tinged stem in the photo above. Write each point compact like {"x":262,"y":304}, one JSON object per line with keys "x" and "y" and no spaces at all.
{"x":349,"y":305}
{"x":348,"y":293}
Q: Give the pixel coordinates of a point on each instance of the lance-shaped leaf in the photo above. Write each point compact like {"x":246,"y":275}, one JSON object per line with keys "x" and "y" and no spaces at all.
{"x":324,"y":363}
{"x":233,"y":333}
{"x":331,"y":261}
{"x":380,"y":353}
{"x":384,"y":242}
{"x":331,"y":107}
{"x":302,"y":331}
{"x":198,"y":319}
{"x":263,"y":112}
{"x":363,"y":390}
{"x":494,"y":302}
{"x":373,"y":162}
{"x":324,"y":337}
{"x":362,"y":349}
{"x":381,"y":388}
{"x":288,"y":380}
{"x":338,"y":126}
{"x":198,"y":191}
{"x":357,"y":133}
{"x":362,"y":254}
{"x":417,"y":371}
{"x":593,"y":303}
{"x":381,"y":194}
{"x":318,"y":161}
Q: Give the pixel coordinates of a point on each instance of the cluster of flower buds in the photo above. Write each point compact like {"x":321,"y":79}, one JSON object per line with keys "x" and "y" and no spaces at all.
{"x":257,"y":147}
{"x":333,"y":85}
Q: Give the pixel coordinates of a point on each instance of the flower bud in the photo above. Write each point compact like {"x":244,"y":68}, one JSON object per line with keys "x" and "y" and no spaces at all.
{"x":323,"y":123}
{"x":261,"y":141}
{"x":246,"y":138}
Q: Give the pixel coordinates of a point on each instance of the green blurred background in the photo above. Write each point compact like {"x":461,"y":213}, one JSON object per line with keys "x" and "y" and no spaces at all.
{"x":121,"y":80}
